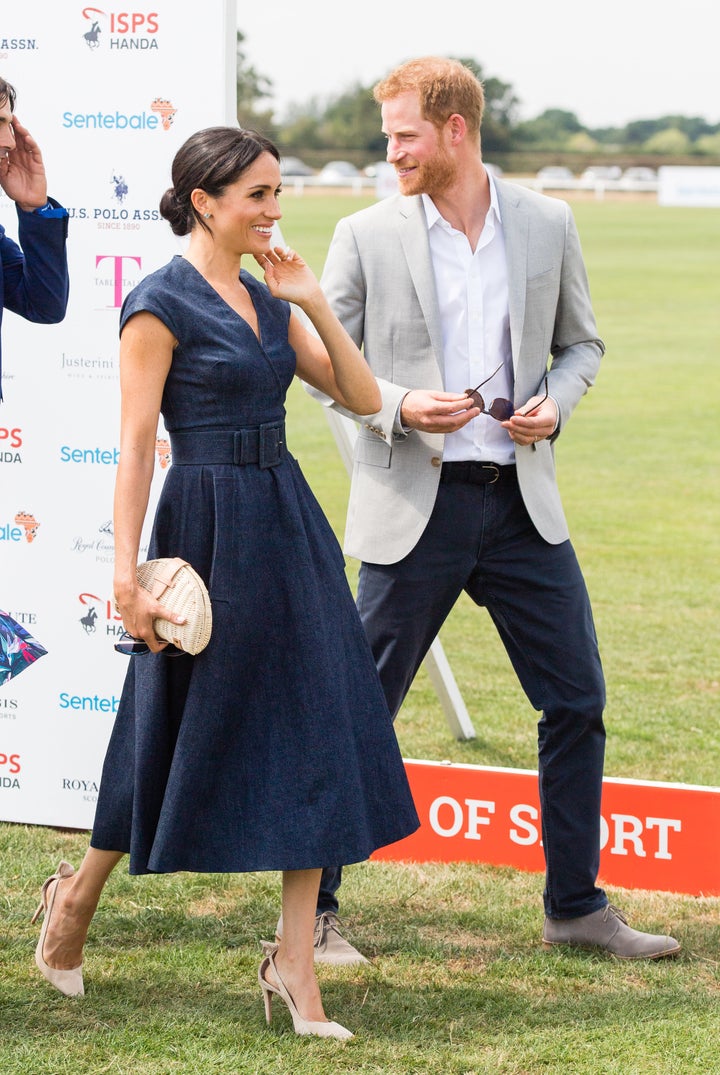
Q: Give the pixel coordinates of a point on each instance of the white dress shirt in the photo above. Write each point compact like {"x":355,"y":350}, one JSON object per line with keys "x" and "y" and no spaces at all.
{"x":472,"y":290}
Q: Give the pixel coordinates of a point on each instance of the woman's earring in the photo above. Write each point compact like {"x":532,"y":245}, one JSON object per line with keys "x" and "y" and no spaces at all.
{"x":207,"y":215}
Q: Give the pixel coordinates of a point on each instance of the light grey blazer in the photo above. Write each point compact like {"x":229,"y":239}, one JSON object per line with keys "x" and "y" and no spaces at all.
{"x":378,"y":278}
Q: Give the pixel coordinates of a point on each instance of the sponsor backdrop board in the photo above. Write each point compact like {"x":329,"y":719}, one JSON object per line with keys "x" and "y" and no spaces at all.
{"x":110,"y":93}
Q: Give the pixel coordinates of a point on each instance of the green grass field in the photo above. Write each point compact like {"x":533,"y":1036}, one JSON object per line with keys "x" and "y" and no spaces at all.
{"x":459,"y":983}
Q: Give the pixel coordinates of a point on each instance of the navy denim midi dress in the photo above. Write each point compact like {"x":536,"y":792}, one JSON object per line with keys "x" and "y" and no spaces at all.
{"x":273,"y":749}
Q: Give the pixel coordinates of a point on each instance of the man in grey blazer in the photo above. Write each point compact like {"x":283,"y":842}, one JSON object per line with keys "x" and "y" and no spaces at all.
{"x":458,"y":280}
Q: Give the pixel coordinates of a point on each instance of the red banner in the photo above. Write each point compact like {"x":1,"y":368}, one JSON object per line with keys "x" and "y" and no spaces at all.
{"x":653,"y":836}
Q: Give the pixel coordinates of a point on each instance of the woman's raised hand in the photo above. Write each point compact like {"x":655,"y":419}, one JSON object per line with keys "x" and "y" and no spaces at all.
{"x":288,"y":276}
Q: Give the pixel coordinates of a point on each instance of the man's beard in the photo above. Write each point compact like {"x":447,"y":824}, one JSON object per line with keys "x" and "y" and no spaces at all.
{"x":432,"y":177}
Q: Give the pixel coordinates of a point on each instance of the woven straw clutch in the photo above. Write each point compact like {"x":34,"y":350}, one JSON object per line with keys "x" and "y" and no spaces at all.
{"x":181,"y":591}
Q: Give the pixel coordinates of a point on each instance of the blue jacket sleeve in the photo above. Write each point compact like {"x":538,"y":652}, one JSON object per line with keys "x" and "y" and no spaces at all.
{"x":35,"y":277}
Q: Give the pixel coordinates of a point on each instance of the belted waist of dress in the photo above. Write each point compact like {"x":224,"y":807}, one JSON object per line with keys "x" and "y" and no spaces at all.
{"x":264,"y":445}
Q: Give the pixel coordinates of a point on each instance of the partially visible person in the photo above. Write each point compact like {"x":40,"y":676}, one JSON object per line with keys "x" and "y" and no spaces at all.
{"x":465,"y":280}
{"x":273,"y":749}
{"x":34,"y":279}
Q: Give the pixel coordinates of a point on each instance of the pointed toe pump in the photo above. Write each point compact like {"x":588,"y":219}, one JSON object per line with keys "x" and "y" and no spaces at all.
{"x":69,"y":982}
{"x":320,"y":1029}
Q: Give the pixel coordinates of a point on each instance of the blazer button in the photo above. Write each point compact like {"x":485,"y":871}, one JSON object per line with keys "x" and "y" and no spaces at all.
{"x":436,"y":461}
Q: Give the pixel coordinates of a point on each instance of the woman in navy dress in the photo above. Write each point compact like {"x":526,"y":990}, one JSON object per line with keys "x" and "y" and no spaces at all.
{"x":273,"y":749}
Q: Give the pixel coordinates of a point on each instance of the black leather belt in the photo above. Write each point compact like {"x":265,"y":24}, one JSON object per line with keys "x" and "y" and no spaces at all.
{"x":475,"y":472}
{"x":264,"y":445}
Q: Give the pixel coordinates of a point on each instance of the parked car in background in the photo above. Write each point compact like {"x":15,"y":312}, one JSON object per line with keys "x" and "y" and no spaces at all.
{"x":338,"y":172}
{"x":599,"y":173}
{"x":555,"y":175}
{"x":639,"y":176}
{"x":294,"y":166}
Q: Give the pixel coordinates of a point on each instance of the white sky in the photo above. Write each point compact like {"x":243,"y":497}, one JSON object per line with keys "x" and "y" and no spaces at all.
{"x":609,"y":62}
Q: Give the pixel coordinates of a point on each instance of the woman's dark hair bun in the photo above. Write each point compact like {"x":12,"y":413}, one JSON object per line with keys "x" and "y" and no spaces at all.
{"x":175,"y":213}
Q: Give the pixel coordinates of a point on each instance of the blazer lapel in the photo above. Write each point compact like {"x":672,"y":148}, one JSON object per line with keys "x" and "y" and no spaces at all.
{"x":416,"y":247}
{"x":515,"y":230}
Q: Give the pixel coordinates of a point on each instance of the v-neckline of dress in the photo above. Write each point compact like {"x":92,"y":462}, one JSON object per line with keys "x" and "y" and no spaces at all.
{"x":258,"y":336}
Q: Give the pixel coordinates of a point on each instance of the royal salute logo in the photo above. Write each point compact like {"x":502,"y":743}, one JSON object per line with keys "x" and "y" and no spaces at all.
{"x":120,"y":30}
{"x":86,"y":787}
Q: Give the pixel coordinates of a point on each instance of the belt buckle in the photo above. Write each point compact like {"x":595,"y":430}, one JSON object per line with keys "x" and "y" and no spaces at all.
{"x":270,"y":443}
{"x":492,"y":466}
{"x":238,"y":453}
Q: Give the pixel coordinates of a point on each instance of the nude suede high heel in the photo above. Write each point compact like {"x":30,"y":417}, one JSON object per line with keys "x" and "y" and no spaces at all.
{"x":69,"y":982}
{"x":300,"y":1025}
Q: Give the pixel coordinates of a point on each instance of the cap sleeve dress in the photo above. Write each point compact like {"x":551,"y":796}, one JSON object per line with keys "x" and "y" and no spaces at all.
{"x":273,"y":749}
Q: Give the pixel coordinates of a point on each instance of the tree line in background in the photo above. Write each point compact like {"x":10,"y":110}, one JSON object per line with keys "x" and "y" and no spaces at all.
{"x":348,"y":122}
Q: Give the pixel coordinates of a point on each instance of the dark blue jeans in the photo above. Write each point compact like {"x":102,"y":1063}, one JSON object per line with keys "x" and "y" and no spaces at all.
{"x":480,"y":539}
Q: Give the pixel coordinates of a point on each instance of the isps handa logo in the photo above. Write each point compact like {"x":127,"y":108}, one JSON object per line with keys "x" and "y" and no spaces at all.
{"x":9,"y":768}
{"x":98,"y":616}
{"x":137,"y":30}
{"x":10,"y":443}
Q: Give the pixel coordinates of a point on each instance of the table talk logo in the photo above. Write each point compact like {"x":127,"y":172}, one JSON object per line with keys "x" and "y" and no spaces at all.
{"x":9,"y":768}
{"x":10,"y":441}
{"x":120,"y":30}
{"x":115,"y":276}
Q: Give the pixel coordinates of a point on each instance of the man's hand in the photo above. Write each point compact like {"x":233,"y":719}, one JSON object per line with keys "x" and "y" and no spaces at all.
{"x":22,"y":172}
{"x":436,"y":412}
{"x":533,"y":422}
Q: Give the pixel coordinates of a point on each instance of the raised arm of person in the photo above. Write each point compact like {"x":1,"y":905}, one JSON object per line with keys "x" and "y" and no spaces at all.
{"x":22,"y":171}
{"x":333,"y":363}
{"x":35,"y":273}
{"x":146,"y":348}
